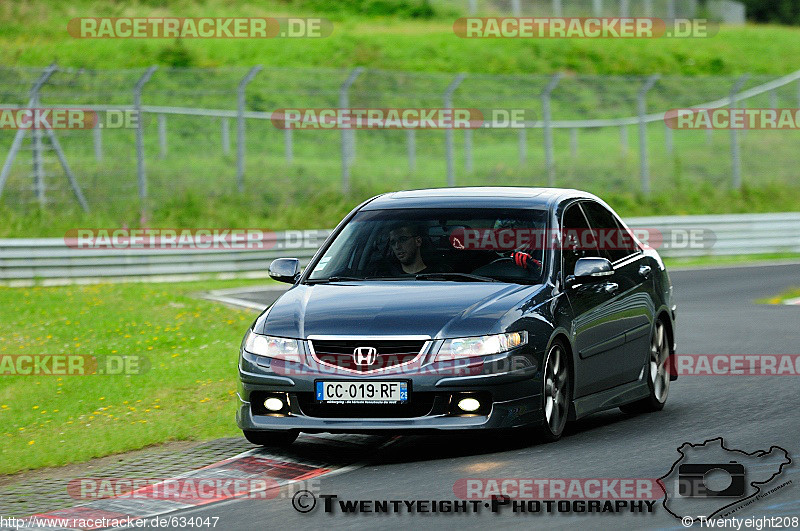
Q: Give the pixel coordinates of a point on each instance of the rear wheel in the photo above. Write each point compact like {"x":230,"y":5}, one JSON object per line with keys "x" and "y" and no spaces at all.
{"x":658,"y":376}
{"x":271,"y":438}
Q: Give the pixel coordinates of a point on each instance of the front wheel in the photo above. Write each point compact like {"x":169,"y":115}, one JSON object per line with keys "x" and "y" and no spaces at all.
{"x":271,"y":438}
{"x":556,"y":393}
{"x":658,"y":376}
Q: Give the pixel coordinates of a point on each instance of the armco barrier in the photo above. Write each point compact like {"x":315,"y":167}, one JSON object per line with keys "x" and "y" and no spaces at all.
{"x":742,"y":234}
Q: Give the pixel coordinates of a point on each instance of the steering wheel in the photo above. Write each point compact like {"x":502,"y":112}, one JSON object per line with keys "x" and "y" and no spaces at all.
{"x":520,"y":259}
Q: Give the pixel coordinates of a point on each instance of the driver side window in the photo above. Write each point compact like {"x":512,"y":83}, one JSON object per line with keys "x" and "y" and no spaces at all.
{"x":573,"y":227}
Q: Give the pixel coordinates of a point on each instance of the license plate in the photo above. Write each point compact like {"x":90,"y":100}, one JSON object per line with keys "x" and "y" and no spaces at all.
{"x":362,"y":392}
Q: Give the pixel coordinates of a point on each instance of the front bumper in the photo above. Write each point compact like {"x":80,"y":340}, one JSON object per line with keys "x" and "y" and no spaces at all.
{"x":510,"y":383}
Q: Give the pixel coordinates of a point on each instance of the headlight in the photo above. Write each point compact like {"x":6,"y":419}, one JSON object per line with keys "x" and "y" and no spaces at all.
{"x":272,"y":347}
{"x":468,"y":347}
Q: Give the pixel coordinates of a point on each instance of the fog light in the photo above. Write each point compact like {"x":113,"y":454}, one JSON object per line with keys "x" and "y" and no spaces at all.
{"x":273,"y":404}
{"x":469,"y":404}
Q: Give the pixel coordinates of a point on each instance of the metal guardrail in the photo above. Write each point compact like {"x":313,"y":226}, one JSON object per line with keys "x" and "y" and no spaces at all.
{"x":733,"y":234}
{"x":46,"y":258}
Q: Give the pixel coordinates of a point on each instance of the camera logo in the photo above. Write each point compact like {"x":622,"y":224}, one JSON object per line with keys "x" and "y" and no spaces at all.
{"x":696,"y":481}
{"x":710,"y":480}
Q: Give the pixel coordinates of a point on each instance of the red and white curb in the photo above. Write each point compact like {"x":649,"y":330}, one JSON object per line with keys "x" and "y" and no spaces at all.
{"x":257,"y":464}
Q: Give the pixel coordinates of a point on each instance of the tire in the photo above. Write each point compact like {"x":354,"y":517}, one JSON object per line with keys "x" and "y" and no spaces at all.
{"x":556,"y":394}
{"x":658,"y":376}
{"x":275,"y":439}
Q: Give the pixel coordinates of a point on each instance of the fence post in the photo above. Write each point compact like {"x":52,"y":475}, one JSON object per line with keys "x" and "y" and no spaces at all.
{"x":348,"y":135}
{"x":623,"y":139}
{"x":624,"y":10}
{"x":97,"y":140}
{"x":73,"y":182}
{"x":448,"y":138}
{"x":522,"y":144}
{"x":468,"y":150}
{"x":33,"y":102}
{"x":288,"y":145}
{"x":671,"y":9}
{"x":773,"y":99}
{"x":516,"y":9}
{"x":641,"y":104}
{"x":137,"y":105}
{"x":668,"y":138}
{"x":549,"y":159}
{"x":226,"y":136}
{"x":162,"y":136}
{"x":573,"y":142}
{"x":736,"y":161}
{"x":557,"y":8}
{"x":240,"y":134}
{"x":648,"y":8}
{"x":36,"y":134}
{"x":473,"y":7}
{"x":798,"y":94}
{"x":411,"y":137}
{"x":597,"y":8}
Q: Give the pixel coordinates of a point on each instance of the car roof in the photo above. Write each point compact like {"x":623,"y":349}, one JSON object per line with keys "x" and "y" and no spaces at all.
{"x":475,"y":197}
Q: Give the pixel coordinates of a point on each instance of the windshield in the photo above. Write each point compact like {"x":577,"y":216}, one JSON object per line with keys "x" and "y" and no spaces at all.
{"x":437,"y":244}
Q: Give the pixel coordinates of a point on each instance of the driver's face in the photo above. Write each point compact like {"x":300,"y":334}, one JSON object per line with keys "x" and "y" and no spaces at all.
{"x":404,"y":245}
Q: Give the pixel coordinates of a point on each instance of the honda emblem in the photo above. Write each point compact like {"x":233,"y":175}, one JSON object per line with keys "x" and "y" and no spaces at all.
{"x":365,"y":356}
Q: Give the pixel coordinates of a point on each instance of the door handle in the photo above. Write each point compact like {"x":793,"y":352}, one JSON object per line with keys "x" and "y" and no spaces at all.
{"x":645,"y":271}
{"x":610,"y":287}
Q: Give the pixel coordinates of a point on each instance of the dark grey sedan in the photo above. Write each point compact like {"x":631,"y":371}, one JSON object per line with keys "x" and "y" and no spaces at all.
{"x":513,"y":309}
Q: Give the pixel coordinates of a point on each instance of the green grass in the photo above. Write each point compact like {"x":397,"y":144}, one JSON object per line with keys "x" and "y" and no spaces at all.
{"x":34,"y":33}
{"x":792,"y":293}
{"x":188,"y":393}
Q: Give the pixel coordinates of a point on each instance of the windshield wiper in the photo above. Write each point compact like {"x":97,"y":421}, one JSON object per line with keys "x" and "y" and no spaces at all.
{"x":359,"y":279}
{"x":454,"y":276}
{"x":331,"y":279}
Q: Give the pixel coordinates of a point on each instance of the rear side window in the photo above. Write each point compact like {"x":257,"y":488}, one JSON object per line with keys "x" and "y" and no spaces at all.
{"x":615,"y":242}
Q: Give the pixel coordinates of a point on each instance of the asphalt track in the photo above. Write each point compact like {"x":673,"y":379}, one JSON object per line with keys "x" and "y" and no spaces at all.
{"x":716,"y":315}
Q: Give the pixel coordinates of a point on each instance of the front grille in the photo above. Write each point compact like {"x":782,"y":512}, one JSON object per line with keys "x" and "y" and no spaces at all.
{"x":389,"y":352}
{"x":418,"y":405}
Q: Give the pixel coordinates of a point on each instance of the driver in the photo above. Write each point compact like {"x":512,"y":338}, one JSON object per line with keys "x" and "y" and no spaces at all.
{"x":405,"y":241}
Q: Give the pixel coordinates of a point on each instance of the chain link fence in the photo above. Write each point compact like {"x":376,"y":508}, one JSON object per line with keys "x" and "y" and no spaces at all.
{"x":206,"y":134}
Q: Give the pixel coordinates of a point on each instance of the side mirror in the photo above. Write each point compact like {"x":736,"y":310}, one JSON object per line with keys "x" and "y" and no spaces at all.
{"x":285,"y":270}
{"x":590,"y":270}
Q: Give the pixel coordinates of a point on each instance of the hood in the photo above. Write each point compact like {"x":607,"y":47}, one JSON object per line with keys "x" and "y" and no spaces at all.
{"x":437,"y":309}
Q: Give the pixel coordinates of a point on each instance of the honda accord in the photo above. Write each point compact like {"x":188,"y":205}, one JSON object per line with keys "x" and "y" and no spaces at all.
{"x":514,"y":309}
